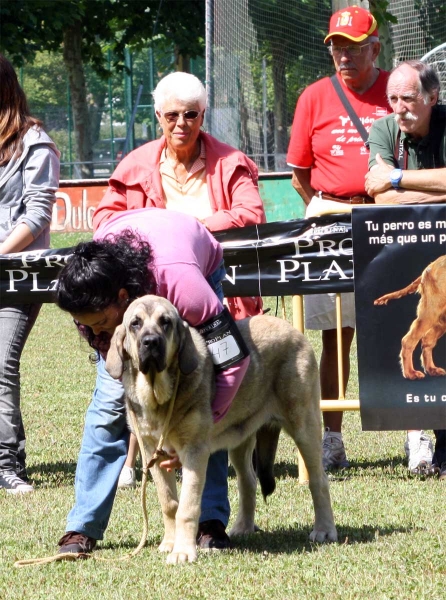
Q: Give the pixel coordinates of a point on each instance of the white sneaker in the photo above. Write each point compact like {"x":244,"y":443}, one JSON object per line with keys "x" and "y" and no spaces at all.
{"x":10,"y":482}
{"x":333,"y":451}
{"x":127,"y":478}
{"x":419,"y":452}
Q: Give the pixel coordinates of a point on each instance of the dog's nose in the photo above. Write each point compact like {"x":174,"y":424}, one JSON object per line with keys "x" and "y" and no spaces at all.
{"x":150,"y":341}
{"x":151,"y":352}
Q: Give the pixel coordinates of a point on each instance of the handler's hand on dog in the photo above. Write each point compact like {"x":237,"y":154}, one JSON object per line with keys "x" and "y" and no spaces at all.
{"x":377,"y":180}
{"x":173,"y":462}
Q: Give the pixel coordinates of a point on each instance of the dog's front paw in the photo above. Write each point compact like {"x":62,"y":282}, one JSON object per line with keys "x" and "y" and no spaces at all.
{"x":436,"y":372}
{"x":166,"y":545}
{"x":182,"y":555}
{"x":413,"y":375}
{"x":320,"y":535}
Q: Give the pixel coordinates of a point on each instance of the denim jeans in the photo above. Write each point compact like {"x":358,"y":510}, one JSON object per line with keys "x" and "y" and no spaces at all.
{"x":16,"y":323}
{"x":104,"y":450}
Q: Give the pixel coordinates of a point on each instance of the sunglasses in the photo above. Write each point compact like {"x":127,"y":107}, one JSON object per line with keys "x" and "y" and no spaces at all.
{"x":350,"y":50}
{"x":188,"y":115}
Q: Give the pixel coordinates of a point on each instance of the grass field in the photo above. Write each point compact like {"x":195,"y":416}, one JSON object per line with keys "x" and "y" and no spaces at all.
{"x":392,"y":528}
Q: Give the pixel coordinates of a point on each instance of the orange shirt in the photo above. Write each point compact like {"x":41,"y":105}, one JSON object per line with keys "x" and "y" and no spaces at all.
{"x":190,"y":197}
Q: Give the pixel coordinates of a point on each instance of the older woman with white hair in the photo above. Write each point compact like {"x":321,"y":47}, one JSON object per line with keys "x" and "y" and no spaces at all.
{"x":187,"y":171}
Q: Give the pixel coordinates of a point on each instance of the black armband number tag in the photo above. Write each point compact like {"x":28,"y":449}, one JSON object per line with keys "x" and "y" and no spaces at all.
{"x":223,"y":340}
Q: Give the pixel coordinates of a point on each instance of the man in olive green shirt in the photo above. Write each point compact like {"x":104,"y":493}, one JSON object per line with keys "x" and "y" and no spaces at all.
{"x":408,"y":166}
{"x":408,"y":149}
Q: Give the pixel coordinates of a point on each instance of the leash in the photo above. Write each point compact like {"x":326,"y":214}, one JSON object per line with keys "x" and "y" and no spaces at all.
{"x":159,"y":452}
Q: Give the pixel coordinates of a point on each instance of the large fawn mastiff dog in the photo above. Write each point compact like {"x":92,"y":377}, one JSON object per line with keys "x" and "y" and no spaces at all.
{"x":154,"y":350}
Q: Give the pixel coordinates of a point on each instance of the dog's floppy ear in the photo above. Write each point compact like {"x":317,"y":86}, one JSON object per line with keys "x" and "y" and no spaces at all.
{"x":116,"y":354}
{"x":187,"y":352}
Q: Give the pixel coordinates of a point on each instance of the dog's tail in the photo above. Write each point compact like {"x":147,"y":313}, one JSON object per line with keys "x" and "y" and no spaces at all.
{"x":410,"y":289}
{"x":264,"y":457}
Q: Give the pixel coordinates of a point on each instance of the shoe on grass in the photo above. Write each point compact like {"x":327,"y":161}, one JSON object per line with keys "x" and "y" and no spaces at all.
{"x":419,"y":452}
{"x":442,"y":471}
{"x":74,"y":542}
{"x":21,"y":472}
{"x":11,"y":482}
{"x":212,"y":536}
{"x":333,"y":451}
{"x":127,"y":478}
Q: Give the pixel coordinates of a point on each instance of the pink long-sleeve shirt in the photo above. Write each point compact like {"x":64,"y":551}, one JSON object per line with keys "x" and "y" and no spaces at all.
{"x":185,"y":254}
{"x":231,"y":176}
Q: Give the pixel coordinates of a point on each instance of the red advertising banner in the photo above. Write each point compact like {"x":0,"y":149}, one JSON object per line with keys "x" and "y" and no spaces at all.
{"x":77,"y":199}
{"x":75,"y":205}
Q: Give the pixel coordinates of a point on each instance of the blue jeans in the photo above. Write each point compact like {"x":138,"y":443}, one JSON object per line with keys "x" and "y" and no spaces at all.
{"x":104,"y":450}
{"x":16,"y":323}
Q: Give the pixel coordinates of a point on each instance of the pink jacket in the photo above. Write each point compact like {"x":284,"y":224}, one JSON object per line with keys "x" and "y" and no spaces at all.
{"x":180,"y":269}
{"x":233,"y":193}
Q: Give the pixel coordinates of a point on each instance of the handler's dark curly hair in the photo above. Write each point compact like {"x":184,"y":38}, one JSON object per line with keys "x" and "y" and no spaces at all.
{"x":99,"y":269}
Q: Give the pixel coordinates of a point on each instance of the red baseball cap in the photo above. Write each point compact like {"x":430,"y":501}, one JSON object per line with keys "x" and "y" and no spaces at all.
{"x":353,"y":23}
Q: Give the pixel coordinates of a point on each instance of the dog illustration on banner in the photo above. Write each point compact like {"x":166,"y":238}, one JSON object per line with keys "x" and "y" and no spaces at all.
{"x":430,"y":324}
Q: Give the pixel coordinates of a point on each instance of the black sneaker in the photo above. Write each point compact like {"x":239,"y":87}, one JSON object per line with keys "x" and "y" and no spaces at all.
{"x":212,"y":536}
{"x":74,"y":542}
{"x":12,"y":483}
{"x":23,"y":476}
{"x":442,"y":473}
{"x":21,"y":472}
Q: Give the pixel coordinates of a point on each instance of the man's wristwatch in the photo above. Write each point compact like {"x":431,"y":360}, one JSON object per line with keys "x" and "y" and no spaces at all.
{"x":395,"y":177}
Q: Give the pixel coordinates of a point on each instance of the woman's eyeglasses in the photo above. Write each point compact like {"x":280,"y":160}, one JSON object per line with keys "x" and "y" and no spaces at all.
{"x":188,"y":115}
{"x":350,"y":50}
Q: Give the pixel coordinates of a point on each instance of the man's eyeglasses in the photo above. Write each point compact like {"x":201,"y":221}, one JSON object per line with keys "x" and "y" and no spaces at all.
{"x":188,"y":115}
{"x":350,"y":50}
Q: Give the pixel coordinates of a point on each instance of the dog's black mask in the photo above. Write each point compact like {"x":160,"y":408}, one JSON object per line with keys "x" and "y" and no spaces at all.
{"x":151,"y":353}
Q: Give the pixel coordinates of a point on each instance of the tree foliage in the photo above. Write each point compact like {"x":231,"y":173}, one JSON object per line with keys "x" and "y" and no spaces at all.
{"x":283,"y":29}
{"x":84,"y":29}
{"x":29,"y":26}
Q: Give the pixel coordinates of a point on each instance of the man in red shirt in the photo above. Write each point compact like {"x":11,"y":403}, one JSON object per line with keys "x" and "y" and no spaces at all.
{"x":329,"y":160}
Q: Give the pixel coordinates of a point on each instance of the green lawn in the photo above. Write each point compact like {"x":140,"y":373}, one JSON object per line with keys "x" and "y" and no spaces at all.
{"x":392,"y":540}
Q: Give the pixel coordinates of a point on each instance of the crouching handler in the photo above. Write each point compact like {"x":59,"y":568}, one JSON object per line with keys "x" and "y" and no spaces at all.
{"x":138,"y":252}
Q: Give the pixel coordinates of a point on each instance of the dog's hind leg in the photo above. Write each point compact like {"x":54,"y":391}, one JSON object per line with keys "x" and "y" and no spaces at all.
{"x":167,"y":495}
{"x":241,"y":459}
{"x":428,"y":343}
{"x":308,"y":439}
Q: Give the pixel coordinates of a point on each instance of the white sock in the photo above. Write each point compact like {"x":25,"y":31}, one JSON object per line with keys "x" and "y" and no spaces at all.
{"x":414,"y":436}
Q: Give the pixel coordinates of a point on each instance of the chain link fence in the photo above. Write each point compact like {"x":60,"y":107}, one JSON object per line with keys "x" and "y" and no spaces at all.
{"x":260,"y":56}
{"x":263,"y":53}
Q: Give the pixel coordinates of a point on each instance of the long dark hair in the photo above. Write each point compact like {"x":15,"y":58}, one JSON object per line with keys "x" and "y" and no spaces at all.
{"x":15,"y":119}
{"x":98,"y":270}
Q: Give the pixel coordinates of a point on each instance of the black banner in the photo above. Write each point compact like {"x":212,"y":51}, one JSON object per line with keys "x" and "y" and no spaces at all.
{"x":31,"y":276}
{"x":393,"y":247}
{"x":274,"y":259}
